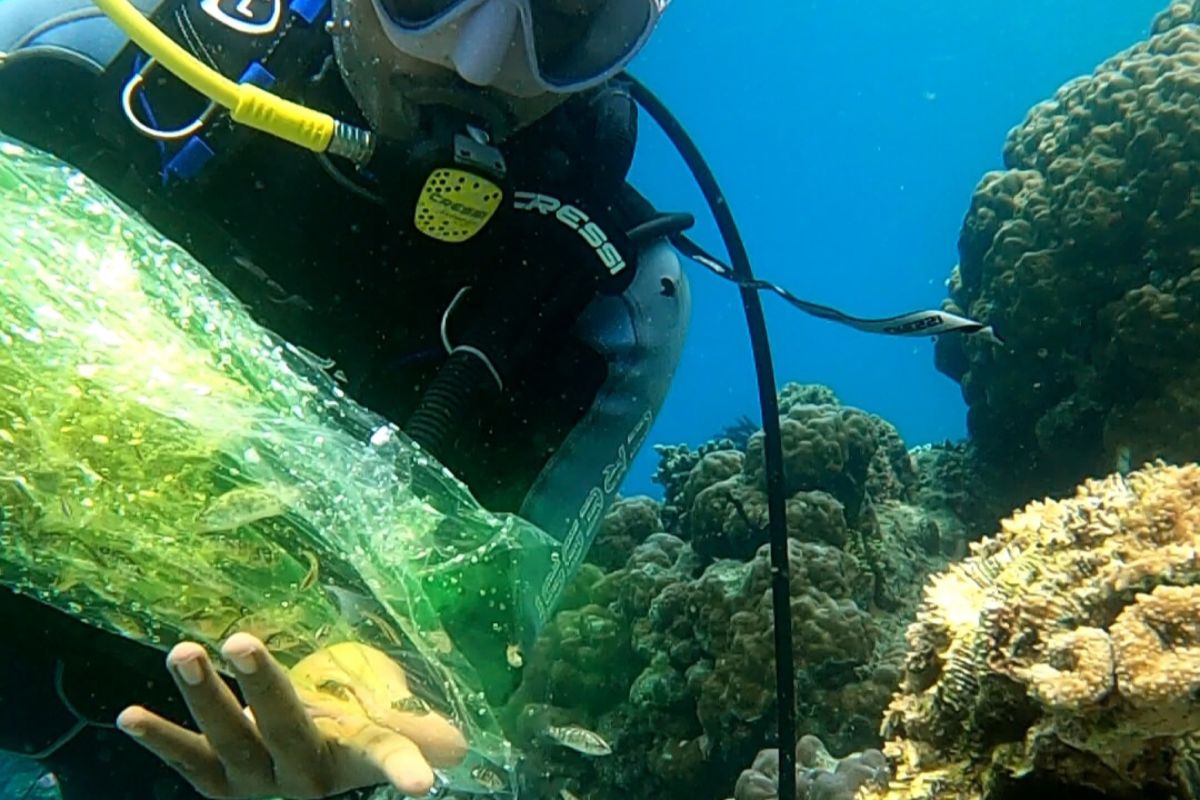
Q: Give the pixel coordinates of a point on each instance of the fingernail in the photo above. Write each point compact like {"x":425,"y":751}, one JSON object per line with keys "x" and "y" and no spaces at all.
{"x":189,"y":669}
{"x":243,"y":662}
{"x":127,"y":727}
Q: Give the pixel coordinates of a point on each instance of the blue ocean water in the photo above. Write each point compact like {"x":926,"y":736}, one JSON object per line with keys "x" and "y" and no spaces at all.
{"x":848,"y":136}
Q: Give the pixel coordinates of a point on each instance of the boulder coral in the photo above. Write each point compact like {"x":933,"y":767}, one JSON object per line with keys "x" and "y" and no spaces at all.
{"x":628,"y":523}
{"x":1065,"y":650}
{"x":819,"y":776}
{"x":670,"y":657}
{"x":1084,"y":254}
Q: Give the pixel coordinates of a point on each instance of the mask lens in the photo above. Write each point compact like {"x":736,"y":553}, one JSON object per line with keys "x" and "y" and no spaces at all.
{"x":581,"y":40}
{"x":416,"y":13}
{"x":576,"y":42}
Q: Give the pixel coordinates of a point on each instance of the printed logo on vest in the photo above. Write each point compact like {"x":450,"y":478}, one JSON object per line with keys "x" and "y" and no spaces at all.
{"x":252,"y":17}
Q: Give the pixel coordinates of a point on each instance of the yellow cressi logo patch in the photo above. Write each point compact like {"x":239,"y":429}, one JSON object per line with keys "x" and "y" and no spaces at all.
{"x":455,"y":205}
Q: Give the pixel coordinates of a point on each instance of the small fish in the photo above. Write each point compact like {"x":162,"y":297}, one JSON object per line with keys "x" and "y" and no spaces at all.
{"x":195,"y":614}
{"x":314,"y":570}
{"x":281,"y":641}
{"x":412,"y":705}
{"x":336,"y":688}
{"x":581,"y":740}
{"x":488,"y":778}
{"x":244,"y":505}
{"x":384,"y":627}
{"x":567,"y":794}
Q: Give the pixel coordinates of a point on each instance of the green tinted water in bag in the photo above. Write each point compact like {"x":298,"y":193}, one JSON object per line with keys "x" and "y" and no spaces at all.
{"x":170,"y":470}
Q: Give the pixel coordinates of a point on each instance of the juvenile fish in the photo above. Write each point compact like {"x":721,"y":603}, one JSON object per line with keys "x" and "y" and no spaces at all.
{"x":412,"y":705}
{"x":581,"y":740}
{"x":314,"y":570}
{"x":242,"y":506}
{"x":488,"y":778}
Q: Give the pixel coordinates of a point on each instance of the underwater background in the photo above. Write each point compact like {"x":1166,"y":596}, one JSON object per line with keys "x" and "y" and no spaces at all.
{"x":848,"y":137}
{"x":1016,"y":615}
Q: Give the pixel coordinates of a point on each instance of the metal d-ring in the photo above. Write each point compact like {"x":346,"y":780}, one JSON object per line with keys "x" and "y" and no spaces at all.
{"x":127,"y":94}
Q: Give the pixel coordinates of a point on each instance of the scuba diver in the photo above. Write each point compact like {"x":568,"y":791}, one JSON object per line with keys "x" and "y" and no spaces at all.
{"x":480,"y":281}
{"x":462,"y":248}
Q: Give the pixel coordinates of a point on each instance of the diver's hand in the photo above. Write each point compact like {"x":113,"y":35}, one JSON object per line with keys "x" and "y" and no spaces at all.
{"x":341,"y":719}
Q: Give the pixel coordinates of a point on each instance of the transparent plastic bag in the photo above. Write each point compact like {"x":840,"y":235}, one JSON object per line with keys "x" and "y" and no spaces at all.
{"x":171,"y":470}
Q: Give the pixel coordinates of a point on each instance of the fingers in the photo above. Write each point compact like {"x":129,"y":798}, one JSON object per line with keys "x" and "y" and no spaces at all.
{"x":283,"y":745}
{"x":218,"y":714}
{"x":227,"y":753}
{"x":367,"y":753}
{"x":442,"y":743}
{"x":185,"y":751}
{"x":397,"y":757}
{"x":286,"y":728}
{"x":380,"y":684}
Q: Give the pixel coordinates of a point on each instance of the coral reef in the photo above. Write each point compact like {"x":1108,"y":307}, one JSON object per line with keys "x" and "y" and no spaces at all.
{"x":1084,"y":254}
{"x":670,"y":657}
{"x":1179,"y":13}
{"x":677,"y":463}
{"x":739,"y":432}
{"x":819,"y":776}
{"x":955,"y":494}
{"x":1066,"y":649}
{"x":628,"y":523}
{"x":1063,"y":655}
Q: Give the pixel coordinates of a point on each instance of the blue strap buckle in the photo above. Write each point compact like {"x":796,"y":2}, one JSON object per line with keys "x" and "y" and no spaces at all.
{"x":196,"y":152}
{"x":308,"y":10}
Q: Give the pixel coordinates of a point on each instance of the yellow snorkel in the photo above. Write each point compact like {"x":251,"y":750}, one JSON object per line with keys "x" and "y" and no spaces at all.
{"x":247,"y":104}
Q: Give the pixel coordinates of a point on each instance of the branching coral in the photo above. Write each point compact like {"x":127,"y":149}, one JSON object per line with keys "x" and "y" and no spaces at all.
{"x":1067,"y":647}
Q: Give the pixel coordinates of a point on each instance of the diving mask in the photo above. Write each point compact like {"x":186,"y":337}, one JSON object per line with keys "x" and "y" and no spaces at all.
{"x":523,"y":47}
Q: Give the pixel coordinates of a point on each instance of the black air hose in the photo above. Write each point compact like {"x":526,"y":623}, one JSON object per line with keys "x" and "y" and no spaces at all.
{"x":461,"y":383}
{"x":785,"y":669}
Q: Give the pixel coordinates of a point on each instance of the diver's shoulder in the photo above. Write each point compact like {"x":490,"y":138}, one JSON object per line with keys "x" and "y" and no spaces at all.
{"x":44,"y":104}
{"x":52,"y":53}
{"x":74,"y":32}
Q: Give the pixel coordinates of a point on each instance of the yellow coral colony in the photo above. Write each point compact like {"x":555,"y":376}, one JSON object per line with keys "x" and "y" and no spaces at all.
{"x":1065,"y":647}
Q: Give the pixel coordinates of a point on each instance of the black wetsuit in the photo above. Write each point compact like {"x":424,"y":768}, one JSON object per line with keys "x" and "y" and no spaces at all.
{"x":345,"y":277}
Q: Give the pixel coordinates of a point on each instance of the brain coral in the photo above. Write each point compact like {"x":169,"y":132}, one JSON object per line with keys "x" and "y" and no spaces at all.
{"x":1065,"y":650}
{"x":1085,"y":256}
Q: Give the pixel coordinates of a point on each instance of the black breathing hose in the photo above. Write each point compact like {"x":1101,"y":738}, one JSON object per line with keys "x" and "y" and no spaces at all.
{"x":785,"y":669}
{"x":463,"y":378}
{"x":451,"y":395}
